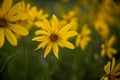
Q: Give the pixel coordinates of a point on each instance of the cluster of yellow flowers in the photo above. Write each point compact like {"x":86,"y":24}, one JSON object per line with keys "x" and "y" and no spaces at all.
{"x":112,"y":71}
{"x":15,"y":21}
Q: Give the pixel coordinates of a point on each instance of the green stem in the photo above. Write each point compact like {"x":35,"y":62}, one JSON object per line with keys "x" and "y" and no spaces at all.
{"x":25,"y":76}
{"x":7,"y":60}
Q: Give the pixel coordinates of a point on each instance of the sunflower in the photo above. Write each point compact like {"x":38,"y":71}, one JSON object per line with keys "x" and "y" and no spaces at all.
{"x":8,"y":27}
{"x":25,"y":8}
{"x":67,"y":18}
{"x":51,"y":36}
{"x":112,"y":71}
{"x":102,"y":28}
{"x":83,"y":38}
{"x":37,"y":16}
{"x":106,"y":48}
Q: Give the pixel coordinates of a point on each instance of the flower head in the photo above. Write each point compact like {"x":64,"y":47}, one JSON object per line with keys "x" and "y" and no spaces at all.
{"x":107,"y":48}
{"x":8,"y":27}
{"x":71,"y":16}
{"x":51,"y":36}
{"x":102,"y":28}
{"x":112,"y":71}
{"x":83,"y":38}
{"x":25,"y":8}
{"x":37,"y":16}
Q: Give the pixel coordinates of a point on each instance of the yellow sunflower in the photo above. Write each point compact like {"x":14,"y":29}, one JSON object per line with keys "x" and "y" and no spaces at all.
{"x":83,"y":38}
{"x":37,"y":16}
{"x":51,"y":36}
{"x":70,"y":17}
{"x":8,"y":27}
{"x":112,"y":71}
{"x":107,"y":48}
{"x":25,"y":8}
{"x":102,"y":28}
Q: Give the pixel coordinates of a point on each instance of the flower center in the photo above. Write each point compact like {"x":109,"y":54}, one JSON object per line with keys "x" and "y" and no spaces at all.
{"x":3,"y":22}
{"x":81,"y":37}
{"x":36,"y":19}
{"x":106,"y":47}
{"x":111,"y":77}
{"x":54,"y":37}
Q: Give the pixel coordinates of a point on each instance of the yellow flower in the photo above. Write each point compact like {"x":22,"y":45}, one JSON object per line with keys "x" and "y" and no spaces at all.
{"x":70,"y":17}
{"x":8,"y":28}
{"x":37,"y":16}
{"x":107,"y":48}
{"x":83,"y":38}
{"x":52,"y":36}
{"x":112,"y":71}
{"x":25,"y":8}
{"x":102,"y":28}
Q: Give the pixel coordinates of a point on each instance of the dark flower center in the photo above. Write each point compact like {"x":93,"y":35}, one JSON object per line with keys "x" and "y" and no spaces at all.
{"x":111,"y":77}
{"x":82,"y":37}
{"x":54,"y":37}
{"x":3,"y":22}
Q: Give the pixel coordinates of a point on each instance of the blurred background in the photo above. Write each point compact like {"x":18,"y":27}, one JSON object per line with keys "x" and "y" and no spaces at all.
{"x":25,"y":63}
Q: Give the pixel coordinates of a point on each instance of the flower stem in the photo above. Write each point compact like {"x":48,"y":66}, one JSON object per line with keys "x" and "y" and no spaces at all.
{"x":25,"y":72}
{"x":7,"y":60}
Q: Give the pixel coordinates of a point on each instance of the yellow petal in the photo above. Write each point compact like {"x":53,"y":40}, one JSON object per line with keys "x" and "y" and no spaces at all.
{"x":110,"y":42}
{"x":1,"y":37}
{"x":40,"y":38}
{"x":117,"y":68}
{"x":44,"y":16}
{"x":33,"y":11}
{"x":54,"y":23}
{"x":18,"y":29}
{"x":48,"y":48}
{"x":42,"y":45}
{"x":78,"y":40}
{"x":117,"y":74}
{"x":113,"y":64}
{"x":69,"y":34}
{"x":106,"y":78}
{"x":41,"y":32}
{"x":60,"y":43}
{"x":55,"y":49}
{"x":109,"y":54}
{"x":13,"y":11}
{"x":85,"y":30}
{"x":83,"y":45}
{"x":46,"y":25}
{"x":107,"y":67}
{"x":6,"y":7}
{"x":103,"y":52}
{"x":87,"y":39}
{"x":112,"y":50}
{"x":38,"y":23}
{"x":10,"y":37}
{"x":65,"y":28}
{"x":22,"y":4}
{"x":40,"y":12}
{"x":19,"y":16}
{"x":68,"y":44}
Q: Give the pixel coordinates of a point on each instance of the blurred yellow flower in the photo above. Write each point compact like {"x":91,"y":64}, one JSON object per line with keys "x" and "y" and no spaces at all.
{"x":25,"y":8}
{"x":53,"y":36}
{"x":8,"y":27}
{"x":107,"y":48}
{"x":112,"y":71}
{"x":70,"y":17}
{"x":83,"y":38}
{"x":37,"y":16}
{"x":102,"y":28}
